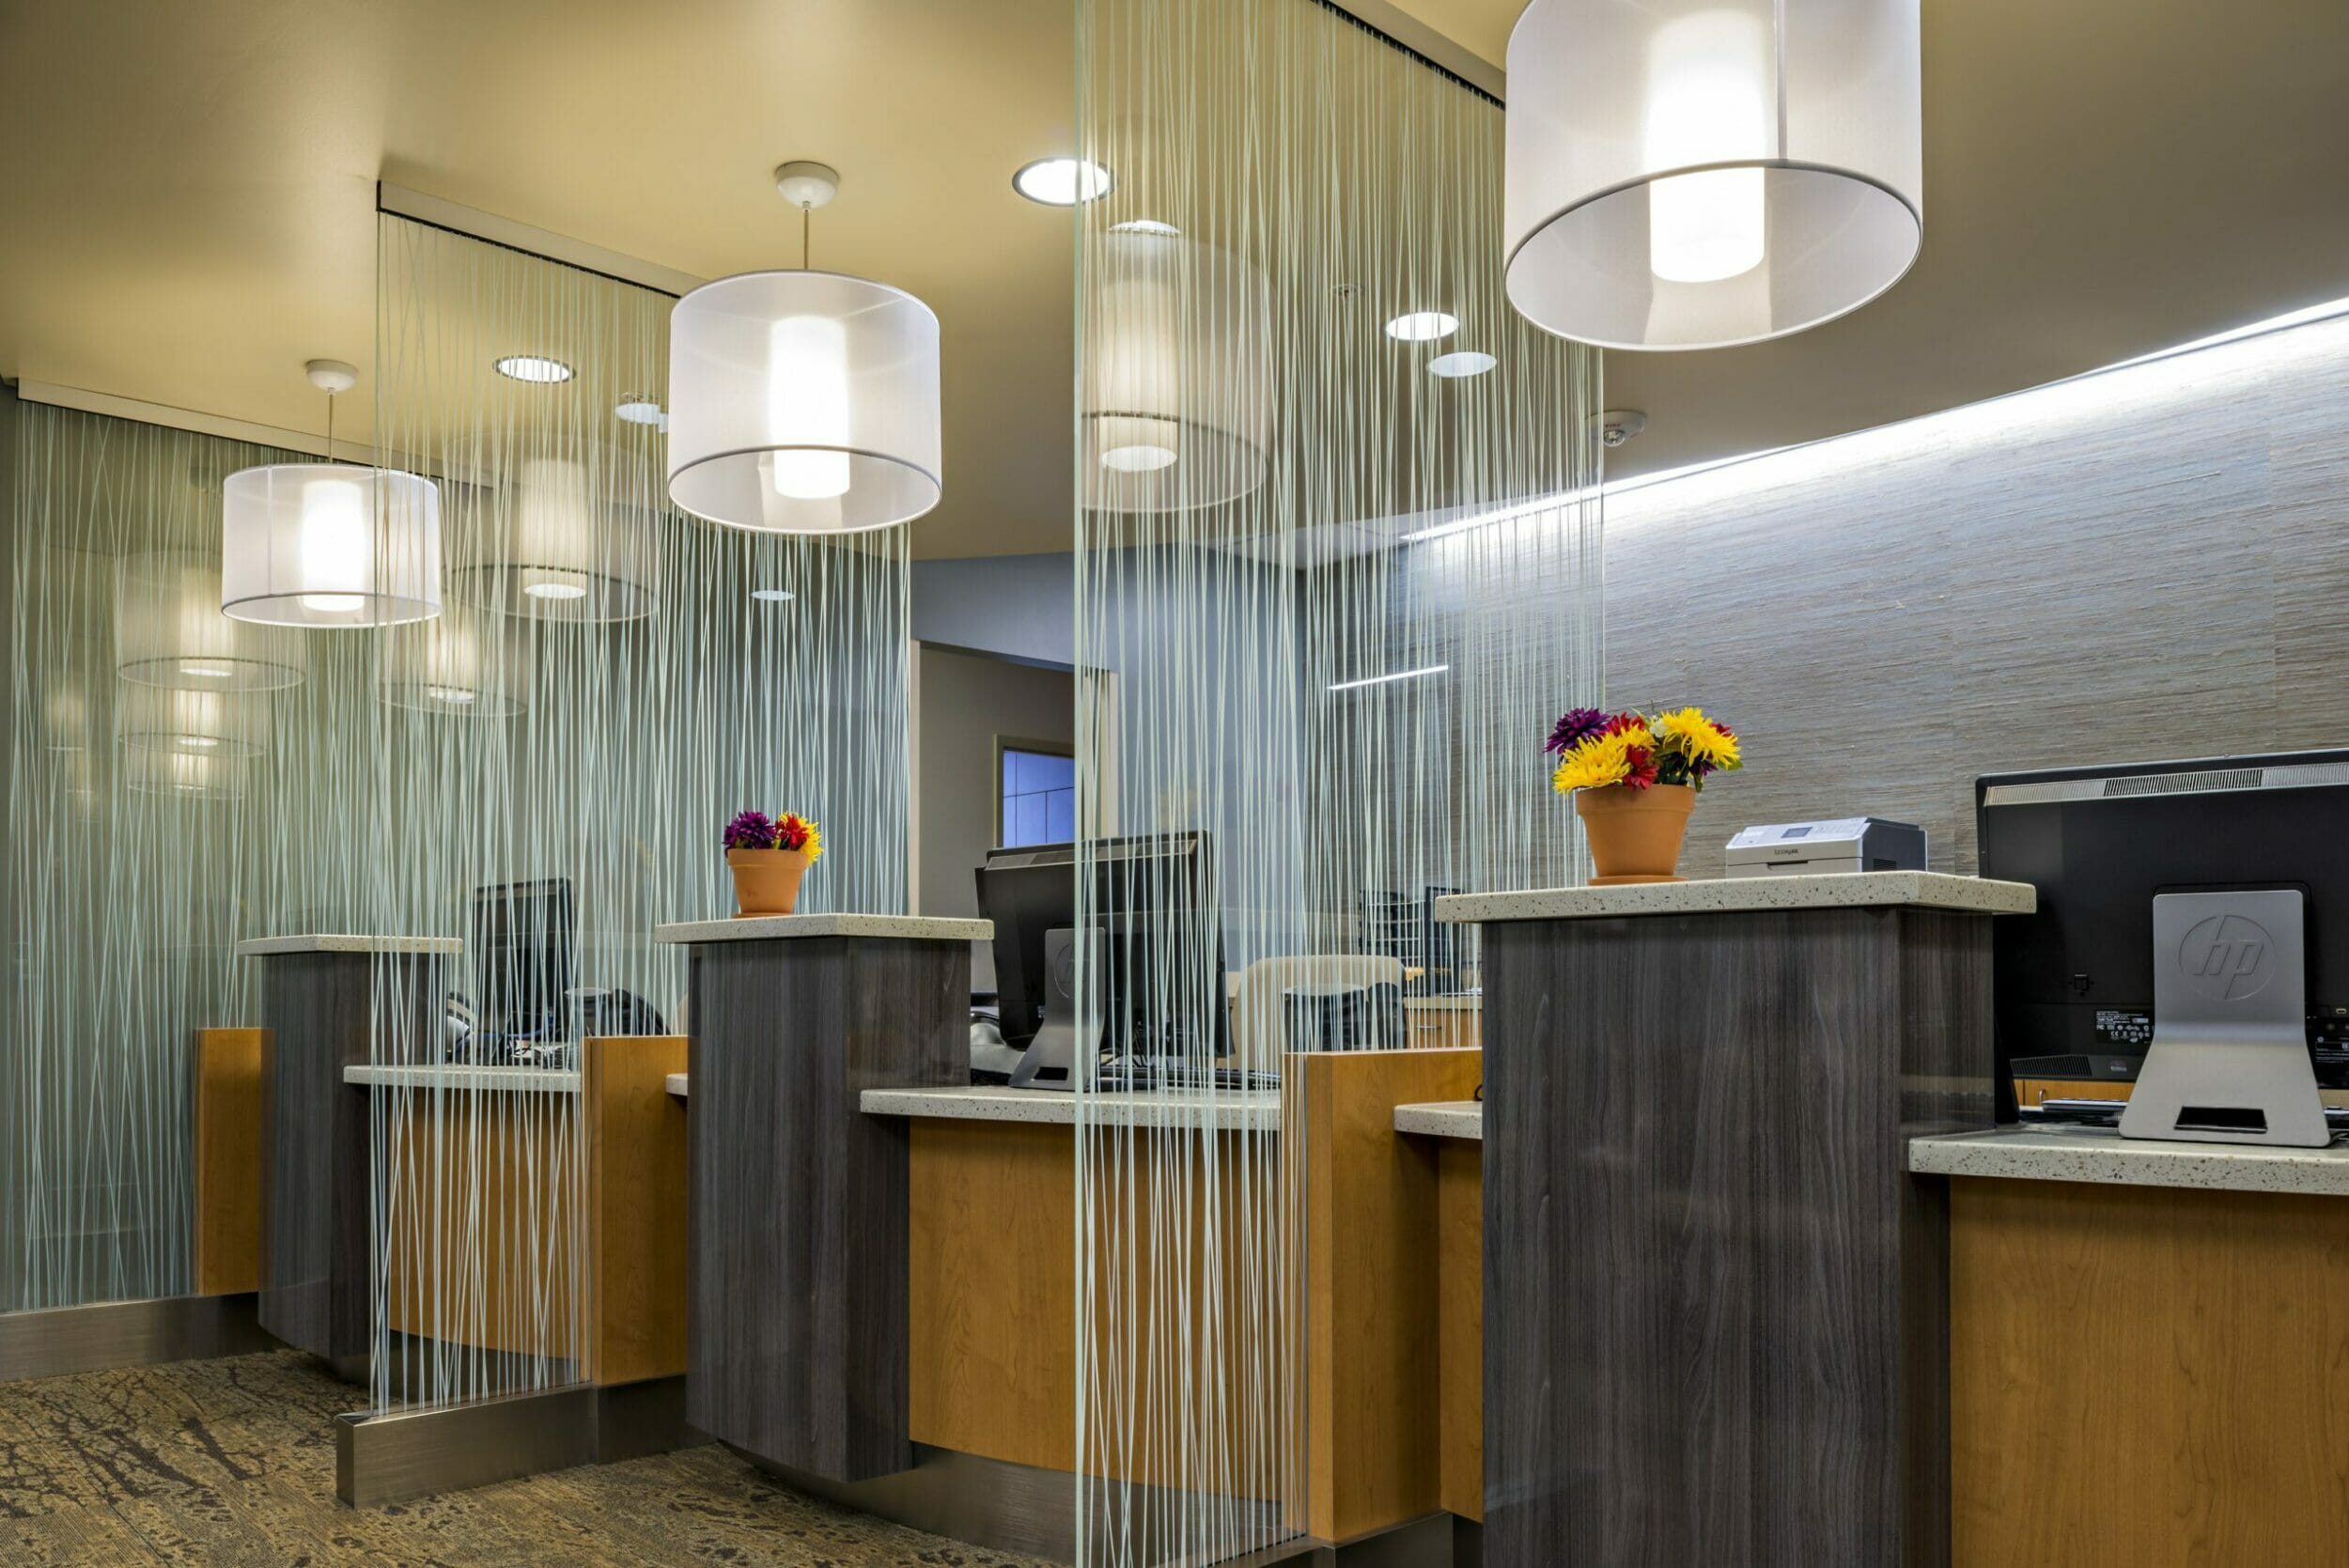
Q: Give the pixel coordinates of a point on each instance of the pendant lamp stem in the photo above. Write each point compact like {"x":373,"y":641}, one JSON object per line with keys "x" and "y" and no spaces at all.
{"x":805,"y":213}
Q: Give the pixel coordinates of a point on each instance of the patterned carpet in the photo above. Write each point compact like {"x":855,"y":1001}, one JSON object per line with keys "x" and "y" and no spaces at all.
{"x":232,"y":1461}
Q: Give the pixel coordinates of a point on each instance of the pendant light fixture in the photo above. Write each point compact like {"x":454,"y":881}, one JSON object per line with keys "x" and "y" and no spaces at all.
{"x":330,"y":544}
{"x":803,"y":402}
{"x":169,"y":631}
{"x":1177,"y":392}
{"x":1694,"y":174}
{"x":572,"y":535}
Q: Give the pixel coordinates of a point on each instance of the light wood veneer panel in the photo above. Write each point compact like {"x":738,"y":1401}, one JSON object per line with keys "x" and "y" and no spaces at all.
{"x":227,"y":1161}
{"x":1371,"y":1376}
{"x":1460,"y":1316}
{"x":2147,"y":1376}
{"x":636,"y":1219}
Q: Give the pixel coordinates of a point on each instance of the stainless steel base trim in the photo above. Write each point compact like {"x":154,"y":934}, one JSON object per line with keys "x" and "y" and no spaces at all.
{"x":391,"y":1457}
{"x":109,"y":1334}
{"x":1016,"y":1508}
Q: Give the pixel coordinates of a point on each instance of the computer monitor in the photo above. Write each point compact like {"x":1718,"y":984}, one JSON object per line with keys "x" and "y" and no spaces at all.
{"x":1160,"y":939}
{"x":2077,"y":977}
{"x":522,"y":938}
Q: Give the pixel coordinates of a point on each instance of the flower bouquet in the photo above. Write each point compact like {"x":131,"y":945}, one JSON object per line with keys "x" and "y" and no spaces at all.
{"x":768,"y":856}
{"x":1634,"y":780}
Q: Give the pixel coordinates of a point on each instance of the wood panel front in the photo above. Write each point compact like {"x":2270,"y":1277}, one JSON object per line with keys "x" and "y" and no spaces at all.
{"x":992,"y":1300}
{"x":481,"y":1232}
{"x":636,"y":1220}
{"x":227,"y":1161}
{"x":1714,"y":1296}
{"x":797,"y":1347}
{"x":1372,"y":1258}
{"x":1460,"y":1317}
{"x":2147,"y":1376}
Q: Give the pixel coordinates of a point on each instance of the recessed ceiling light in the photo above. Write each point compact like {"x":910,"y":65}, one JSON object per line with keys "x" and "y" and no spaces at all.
{"x":534,"y":368}
{"x":560,"y":591}
{"x":1062,"y":182}
{"x":1465,"y":361}
{"x":638,"y":408}
{"x":772,"y":596}
{"x":1144,"y":458}
{"x":1145,"y":225}
{"x":1422,"y":326}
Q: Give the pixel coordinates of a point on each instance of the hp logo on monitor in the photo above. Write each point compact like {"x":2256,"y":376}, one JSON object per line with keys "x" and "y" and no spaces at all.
{"x":2227,"y":957}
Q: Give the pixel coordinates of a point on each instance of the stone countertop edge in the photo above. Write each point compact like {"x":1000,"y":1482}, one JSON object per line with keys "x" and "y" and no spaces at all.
{"x":1232,"y":1110}
{"x":772,"y":927}
{"x":1848,"y":890}
{"x":264,"y":947}
{"x":463,"y":1077}
{"x":2030,"y":1154}
{"x":1443,"y":1119}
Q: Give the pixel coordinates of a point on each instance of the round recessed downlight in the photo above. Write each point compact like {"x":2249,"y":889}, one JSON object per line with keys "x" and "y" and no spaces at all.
{"x":1464,"y":361}
{"x":555,"y":591}
{"x":1147,"y":225}
{"x":1422,"y":326}
{"x":1062,"y":182}
{"x":534,"y":368}
{"x":772,"y":596}
{"x":1144,"y":458}
{"x":638,"y":408}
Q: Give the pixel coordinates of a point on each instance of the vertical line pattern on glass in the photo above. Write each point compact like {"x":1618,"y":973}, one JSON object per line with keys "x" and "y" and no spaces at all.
{"x":1280,"y":505}
{"x":649,"y":698}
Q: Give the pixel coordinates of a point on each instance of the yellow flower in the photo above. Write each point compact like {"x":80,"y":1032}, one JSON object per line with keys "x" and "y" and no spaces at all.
{"x":1597,"y":762}
{"x":1699,"y":738}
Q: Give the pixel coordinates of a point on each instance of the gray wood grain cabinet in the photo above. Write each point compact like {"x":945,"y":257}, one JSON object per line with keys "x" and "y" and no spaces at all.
{"x":796,"y":1301}
{"x":1716,"y":1309}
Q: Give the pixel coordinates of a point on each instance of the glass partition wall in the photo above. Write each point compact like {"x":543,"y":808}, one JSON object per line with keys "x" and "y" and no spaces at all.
{"x":542,"y":772}
{"x":1338,"y":534}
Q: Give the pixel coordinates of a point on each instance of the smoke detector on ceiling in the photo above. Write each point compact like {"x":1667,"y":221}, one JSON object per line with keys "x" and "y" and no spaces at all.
{"x":1617,"y":425}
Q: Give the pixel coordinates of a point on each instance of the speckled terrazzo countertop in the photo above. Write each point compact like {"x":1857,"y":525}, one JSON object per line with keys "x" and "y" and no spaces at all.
{"x":1236,"y":1110}
{"x":1443,"y":1119}
{"x":1846,"y":890}
{"x":918,"y":928}
{"x":2030,"y":1153}
{"x":263,"y":947}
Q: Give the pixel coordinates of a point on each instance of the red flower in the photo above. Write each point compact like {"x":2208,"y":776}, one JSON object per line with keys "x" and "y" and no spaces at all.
{"x":1643,"y":766}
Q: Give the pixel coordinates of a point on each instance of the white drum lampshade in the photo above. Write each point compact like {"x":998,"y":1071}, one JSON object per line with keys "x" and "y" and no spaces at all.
{"x":1693,"y":174}
{"x":169,"y":631}
{"x":232,"y":726}
{"x":803,"y":402}
{"x":1177,"y":391}
{"x":329,"y":545}
{"x":463,"y":665}
{"x":571,"y":538}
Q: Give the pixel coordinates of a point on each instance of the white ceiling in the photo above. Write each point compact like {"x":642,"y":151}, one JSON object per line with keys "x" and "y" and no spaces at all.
{"x":187,"y":194}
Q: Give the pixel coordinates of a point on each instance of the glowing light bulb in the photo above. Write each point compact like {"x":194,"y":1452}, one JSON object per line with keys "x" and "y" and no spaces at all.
{"x":337,"y":552}
{"x":1707,"y":103}
{"x":807,"y":405}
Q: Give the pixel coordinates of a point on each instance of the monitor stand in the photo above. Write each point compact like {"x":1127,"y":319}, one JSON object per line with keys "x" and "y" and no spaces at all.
{"x":1066,"y":1043}
{"x":2229,"y":1059}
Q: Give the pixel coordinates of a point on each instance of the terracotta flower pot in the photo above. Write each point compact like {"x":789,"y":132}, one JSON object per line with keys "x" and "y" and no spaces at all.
{"x":1635,"y":834}
{"x":765,"y":881}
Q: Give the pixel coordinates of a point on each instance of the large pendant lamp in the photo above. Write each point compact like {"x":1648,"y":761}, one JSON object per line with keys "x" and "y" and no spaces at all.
{"x":1694,"y":174}
{"x":1177,"y":392}
{"x":330,"y":544}
{"x":570,"y":538}
{"x":463,"y":665}
{"x":803,"y":402}
{"x":169,"y":630}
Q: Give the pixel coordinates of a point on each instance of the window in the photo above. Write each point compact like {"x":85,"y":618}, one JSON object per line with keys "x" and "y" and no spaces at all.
{"x":1039,"y":794}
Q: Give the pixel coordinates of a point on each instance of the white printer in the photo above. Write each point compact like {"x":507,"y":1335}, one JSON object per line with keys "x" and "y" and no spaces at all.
{"x":1848,"y":844}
